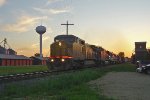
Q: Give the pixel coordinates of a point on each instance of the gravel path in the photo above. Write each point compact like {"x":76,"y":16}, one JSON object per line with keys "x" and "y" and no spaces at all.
{"x":124,"y":85}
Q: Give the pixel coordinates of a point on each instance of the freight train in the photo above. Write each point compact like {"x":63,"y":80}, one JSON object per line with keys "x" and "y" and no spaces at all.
{"x":71,"y":52}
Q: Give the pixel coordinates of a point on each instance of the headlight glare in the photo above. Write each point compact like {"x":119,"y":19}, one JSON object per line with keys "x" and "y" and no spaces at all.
{"x":52,"y":60}
{"x":62,"y":60}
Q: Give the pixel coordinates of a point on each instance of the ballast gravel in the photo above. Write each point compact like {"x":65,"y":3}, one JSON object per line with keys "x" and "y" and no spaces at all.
{"x":123,"y":86}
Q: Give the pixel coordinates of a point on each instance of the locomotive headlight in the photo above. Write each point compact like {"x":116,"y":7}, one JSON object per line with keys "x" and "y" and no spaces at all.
{"x":59,"y":44}
{"x":62,"y":60}
{"x":52,"y":60}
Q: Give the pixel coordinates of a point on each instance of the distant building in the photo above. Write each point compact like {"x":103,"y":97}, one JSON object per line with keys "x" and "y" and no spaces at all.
{"x":7,"y":51}
{"x":39,"y":60}
{"x":9,"y":57}
{"x":14,"y":60}
{"x":141,"y":52}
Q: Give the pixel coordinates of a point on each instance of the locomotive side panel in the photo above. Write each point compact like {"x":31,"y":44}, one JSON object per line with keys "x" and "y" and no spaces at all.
{"x":104,"y":57}
{"x":78,"y":51}
{"x":89,"y":53}
{"x":96,"y":52}
{"x":90,"y":56}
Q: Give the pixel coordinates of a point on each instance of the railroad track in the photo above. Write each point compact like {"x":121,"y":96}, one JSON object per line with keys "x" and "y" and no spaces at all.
{"x":32,"y":75}
{"x":25,"y":76}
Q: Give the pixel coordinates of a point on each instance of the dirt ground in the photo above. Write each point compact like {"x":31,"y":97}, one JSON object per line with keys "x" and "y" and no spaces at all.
{"x":123,"y":86}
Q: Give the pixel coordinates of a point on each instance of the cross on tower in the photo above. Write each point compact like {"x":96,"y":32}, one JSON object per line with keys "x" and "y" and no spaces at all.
{"x":67,"y":27}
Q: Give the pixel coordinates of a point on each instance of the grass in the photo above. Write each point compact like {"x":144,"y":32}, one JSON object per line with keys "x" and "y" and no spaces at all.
{"x":6,"y":70}
{"x":65,"y":86}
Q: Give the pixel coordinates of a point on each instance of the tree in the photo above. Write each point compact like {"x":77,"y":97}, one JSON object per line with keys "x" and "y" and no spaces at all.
{"x":121,"y":55}
{"x":37,"y":55}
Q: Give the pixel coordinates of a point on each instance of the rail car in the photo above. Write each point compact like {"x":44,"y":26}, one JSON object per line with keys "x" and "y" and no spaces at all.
{"x":71,"y":52}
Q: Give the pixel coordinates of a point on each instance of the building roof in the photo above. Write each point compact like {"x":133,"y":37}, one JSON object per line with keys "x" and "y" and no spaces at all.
{"x":140,"y":42}
{"x":4,"y":56}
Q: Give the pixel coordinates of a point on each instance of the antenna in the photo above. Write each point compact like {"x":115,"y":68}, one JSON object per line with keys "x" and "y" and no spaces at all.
{"x":41,"y":21}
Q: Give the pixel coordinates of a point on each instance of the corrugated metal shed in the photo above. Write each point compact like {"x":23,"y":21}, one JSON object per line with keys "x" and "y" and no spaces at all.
{"x":4,"y":56}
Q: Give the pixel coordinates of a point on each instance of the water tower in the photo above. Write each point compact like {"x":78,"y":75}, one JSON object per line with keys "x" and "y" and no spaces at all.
{"x":41,"y":30}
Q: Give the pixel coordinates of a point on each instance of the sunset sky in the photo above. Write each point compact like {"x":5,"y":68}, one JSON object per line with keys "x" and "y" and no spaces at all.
{"x":113,"y":24}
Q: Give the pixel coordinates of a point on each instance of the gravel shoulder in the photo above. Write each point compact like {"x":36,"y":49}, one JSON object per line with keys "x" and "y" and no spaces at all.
{"x":123,"y":86}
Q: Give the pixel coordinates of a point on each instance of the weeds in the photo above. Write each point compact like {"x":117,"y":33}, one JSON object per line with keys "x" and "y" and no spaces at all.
{"x":65,"y":86}
{"x":20,"y":69}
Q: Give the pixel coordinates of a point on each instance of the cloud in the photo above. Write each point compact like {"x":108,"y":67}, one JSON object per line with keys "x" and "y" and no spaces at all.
{"x":23,"y":24}
{"x":46,"y":52}
{"x":27,"y":51}
{"x":52,"y":1}
{"x":35,"y":45}
{"x":46,"y":38}
{"x":21,"y":50}
{"x":52,"y":11}
{"x":49,"y":30}
{"x":2,"y":2}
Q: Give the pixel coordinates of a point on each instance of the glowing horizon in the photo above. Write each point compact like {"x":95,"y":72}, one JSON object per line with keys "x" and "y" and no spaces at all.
{"x":113,"y":24}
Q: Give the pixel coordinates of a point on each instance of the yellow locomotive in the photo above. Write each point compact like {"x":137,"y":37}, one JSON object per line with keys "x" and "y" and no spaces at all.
{"x":71,"y":52}
{"x":67,"y":51}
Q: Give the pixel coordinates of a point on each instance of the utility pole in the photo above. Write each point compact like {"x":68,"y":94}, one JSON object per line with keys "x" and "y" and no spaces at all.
{"x":67,"y":27}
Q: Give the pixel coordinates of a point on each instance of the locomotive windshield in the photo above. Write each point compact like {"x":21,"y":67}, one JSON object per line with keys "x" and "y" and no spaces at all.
{"x":69,"y":39}
{"x":66,"y":38}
